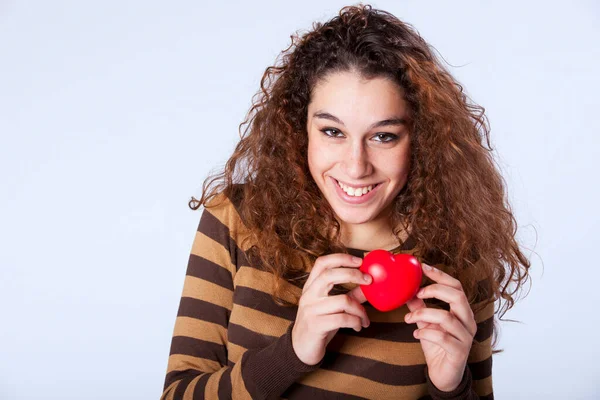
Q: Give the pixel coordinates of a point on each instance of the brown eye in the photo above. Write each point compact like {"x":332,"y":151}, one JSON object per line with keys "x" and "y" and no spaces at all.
{"x":391,"y":137}
{"x":325,"y":130}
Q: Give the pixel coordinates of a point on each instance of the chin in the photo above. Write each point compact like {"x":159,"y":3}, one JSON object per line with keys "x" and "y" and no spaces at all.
{"x":353,"y":216}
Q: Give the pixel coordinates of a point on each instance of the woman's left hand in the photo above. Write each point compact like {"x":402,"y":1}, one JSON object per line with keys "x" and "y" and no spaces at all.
{"x":446,"y":336}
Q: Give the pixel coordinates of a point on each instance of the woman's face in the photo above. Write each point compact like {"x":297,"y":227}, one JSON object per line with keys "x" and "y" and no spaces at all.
{"x":358,"y":141}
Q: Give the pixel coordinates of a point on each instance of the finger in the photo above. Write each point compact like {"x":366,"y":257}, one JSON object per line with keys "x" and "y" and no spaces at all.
{"x":330,"y":322}
{"x":450,"y":344}
{"x":444,"y":319}
{"x":440,"y":276}
{"x":342,"y":303}
{"x":357,"y":294}
{"x":331,"y":261}
{"x":459,"y":305}
{"x":415,"y":304}
{"x":324,"y":283}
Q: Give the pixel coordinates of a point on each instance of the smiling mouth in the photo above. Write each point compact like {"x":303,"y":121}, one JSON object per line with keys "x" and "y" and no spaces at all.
{"x":356,"y":192}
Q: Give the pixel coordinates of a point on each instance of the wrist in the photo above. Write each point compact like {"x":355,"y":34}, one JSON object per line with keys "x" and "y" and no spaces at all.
{"x":447,"y":392}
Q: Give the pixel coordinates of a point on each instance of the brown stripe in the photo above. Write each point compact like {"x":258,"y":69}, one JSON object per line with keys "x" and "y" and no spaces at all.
{"x":225,"y":385}
{"x":214,"y":229}
{"x":360,"y":386}
{"x":301,"y":392}
{"x":359,"y":366}
{"x":219,"y":232}
{"x":263,"y":281}
{"x":212,"y":385}
{"x":200,"y":309}
{"x":398,"y":375}
{"x":191,"y":387}
{"x":484,"y":330}
{"x":481,"y":369}
{"x":348,"y":364}
{"x":207,"y":248}
{"x":182,"y":386}
{"x":168,"y":388}
{"x":402,"y":354}
{"x":249,"y":339}
{"x":202,"y":268}
{"x":183,"y":362}
{"x":394,"y":331}
{"x":240,"y":257}
{"x":201,"y":386}
{"x":198,"y":348}
{"x":484,"y":387}
{"x":263,"y":302}
{"x":240,"y":391}
{"x":481,"y":397}
{"x":174,"y":376}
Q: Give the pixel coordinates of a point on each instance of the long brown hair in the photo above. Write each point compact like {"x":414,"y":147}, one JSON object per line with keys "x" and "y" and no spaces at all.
{"x":454,"y":200}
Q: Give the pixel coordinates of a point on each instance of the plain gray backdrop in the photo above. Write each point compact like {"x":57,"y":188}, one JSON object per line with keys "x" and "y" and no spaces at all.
{"x":112,"y":114}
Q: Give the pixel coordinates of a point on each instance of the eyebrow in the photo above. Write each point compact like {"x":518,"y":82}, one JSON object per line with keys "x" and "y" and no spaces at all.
{"x":385,"y":122}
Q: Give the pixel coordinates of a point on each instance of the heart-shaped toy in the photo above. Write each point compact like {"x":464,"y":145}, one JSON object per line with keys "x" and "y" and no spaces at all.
{"x":396,"y":279}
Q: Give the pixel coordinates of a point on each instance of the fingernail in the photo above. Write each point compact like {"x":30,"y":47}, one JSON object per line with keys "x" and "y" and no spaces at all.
{"x":427,"y":267}
{"x":367,"y":278}
{"x":357,"y":259}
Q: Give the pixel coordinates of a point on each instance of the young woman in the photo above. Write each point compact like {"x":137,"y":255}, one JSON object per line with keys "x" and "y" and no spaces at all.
{"x":361,"y":140}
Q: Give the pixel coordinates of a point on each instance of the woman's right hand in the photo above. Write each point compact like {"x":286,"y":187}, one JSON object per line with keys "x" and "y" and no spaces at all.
{"x":319,"y":315}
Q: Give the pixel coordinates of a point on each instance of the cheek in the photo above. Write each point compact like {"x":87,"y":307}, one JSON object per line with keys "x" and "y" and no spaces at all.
{"x":320,"y":158}
{"x":314,"y":159}
{"x":311,"y":156}
{"x":397,"y":166}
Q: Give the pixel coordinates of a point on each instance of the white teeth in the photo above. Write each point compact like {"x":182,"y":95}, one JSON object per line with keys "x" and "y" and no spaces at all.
{"x":355,"y":192}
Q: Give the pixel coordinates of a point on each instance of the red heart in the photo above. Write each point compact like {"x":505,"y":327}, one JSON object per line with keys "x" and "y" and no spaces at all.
{"x":396,"y":279}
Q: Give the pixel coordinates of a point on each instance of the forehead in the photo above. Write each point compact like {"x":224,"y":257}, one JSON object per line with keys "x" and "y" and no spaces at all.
{"x":349,"y":96}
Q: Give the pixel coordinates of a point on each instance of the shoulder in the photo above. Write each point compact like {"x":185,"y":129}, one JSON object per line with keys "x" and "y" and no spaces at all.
{"x":223,"y":213}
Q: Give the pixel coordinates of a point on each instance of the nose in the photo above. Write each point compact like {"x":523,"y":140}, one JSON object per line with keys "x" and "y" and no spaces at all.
{"x":356,"y":162}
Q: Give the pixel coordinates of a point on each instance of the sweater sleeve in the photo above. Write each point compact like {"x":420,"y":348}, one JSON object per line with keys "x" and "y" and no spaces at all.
{"x":477,"y":378}
{"x":198,"y":366}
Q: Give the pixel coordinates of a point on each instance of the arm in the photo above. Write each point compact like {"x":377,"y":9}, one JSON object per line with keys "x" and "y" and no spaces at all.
{"x":198,"y":366}
{"x":477,"y":379}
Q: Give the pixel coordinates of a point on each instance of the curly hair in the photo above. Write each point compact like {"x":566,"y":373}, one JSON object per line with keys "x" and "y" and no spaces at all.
{"x":454,"y":200}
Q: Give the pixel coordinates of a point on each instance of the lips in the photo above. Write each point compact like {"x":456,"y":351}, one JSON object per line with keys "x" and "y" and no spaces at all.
{"x":354,"y":199}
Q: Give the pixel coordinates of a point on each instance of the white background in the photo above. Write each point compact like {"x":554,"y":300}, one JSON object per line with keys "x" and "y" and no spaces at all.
{"x":112,"y":114}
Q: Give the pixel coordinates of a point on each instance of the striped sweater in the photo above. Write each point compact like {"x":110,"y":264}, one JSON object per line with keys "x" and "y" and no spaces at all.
{"x":231,"y":340}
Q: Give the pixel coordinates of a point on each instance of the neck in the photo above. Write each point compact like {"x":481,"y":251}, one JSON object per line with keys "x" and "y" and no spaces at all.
{"x":375,"y":234}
